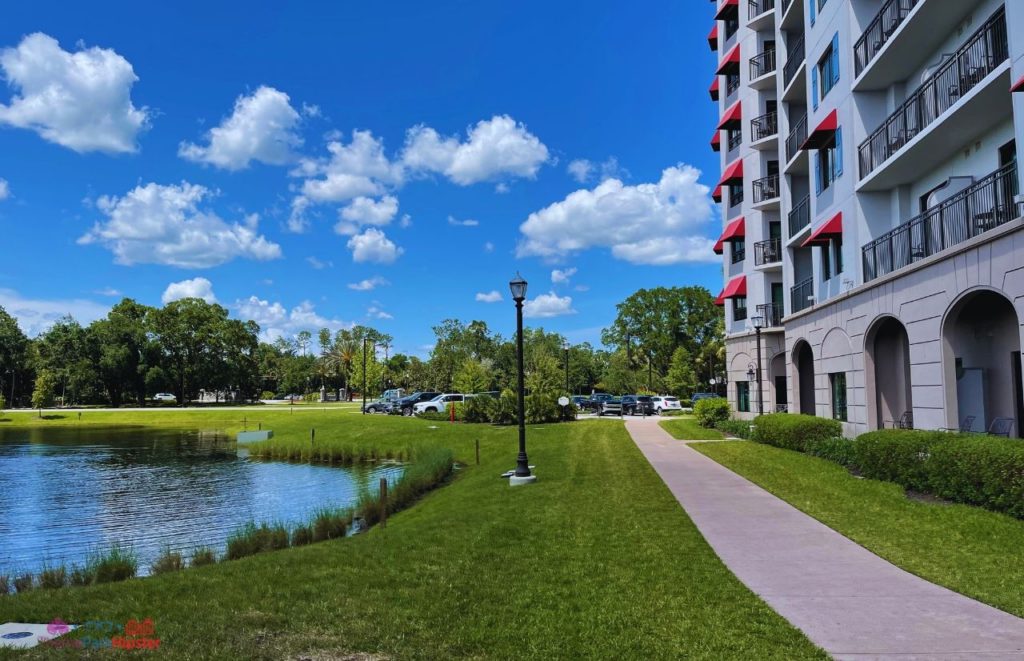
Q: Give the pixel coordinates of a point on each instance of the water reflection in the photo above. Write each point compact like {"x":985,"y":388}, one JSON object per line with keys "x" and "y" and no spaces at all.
{"x":64,"y":493}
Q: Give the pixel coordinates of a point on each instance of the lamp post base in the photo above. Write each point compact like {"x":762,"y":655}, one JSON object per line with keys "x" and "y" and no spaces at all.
{"x":521,"y":481}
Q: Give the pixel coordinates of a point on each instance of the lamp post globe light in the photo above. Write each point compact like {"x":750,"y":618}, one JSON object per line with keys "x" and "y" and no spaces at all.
{"x":758,"y":323}
{"x":522,"y":473}
{"x":566,"y":347}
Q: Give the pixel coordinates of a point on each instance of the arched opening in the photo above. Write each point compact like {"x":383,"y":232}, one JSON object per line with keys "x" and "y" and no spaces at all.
{"x":890,"y":395}
{"x":982,"y":362}
{"x":803,"y":362}
{"x":778,"y":383}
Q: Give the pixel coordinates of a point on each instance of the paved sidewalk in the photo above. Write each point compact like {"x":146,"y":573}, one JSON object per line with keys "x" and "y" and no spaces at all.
{"x":847,"y":600}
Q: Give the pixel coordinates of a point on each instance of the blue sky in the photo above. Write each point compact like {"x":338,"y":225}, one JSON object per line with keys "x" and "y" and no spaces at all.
{"x":381,"y":163}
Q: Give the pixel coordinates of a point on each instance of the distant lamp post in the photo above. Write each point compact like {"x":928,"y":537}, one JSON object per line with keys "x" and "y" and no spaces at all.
{"x":758,"y":322}
{"x":565,"y":346}
{"x":522,"y":474}
{"x":366,"y":341}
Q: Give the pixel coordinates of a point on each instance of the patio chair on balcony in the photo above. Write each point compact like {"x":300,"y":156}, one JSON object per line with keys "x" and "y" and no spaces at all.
{"x":906,"y":421}
{"x":1001,"y":427}
{"x":966,"y":425}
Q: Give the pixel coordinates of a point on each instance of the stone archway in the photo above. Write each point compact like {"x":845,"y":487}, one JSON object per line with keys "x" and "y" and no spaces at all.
{"x":803,"y":372}
{"x":887,"y":372}
{"x":982,"y":361}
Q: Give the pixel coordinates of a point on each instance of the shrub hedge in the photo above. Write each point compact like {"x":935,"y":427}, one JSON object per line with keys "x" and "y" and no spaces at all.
{"x":896,"y":455}
{"x":737,"y":428}
{"x":710,"y":412}
{"x":794,"y":432}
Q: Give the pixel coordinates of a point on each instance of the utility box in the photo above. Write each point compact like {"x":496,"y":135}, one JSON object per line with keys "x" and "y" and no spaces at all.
{"x":251,"y":436}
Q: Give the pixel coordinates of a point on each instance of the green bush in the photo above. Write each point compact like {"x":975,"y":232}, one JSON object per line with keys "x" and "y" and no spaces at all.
{"x":794,"y":432}
{"x":685,"y":404}
{"x":23,"y":583}
{"x":508,"y":409}
{"x":5,"y":584}
{"x":302,"y":535}
{"x":117,"y":564}
{"x":710,"y":412}
{"x":266,"y":394}
{"x":202,"y":556}
{"x":52,"y":578}
{"x":253,"y":539}
{"x":81,"y":576}
{"x":979,"y":470}
{"x":672,"y":413}
{"x":480,"y":409}
{"x":897,"y":455}
{"x":542,"y":408}
{"x":737,"y":428}
{"x":168,"y":561}
{"x":839,"y":450}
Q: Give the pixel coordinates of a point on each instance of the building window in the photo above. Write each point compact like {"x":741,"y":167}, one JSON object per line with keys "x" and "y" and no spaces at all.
{"x":837,"y":382}
{"x":732,"y":83}
{"x":825,"y":76}
{"x":739,"y":250}
{"x":735,"y":194}
{"x":739,"y":308}
{"x":826,"y":261}
{"x":732,"y":25}
{"x":743,"y":396}
{"x":828,"y":163}
{"x":735,"y":139}
{"x":837,"y":254}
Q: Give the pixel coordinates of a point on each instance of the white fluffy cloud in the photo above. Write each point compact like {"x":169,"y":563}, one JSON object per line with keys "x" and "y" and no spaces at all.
{"x":548,"y":305}
{"x":493,"y":296}
{"x":155,"y":224}
{"x":36,"y":315}
{"x":367,"y":211}
{"x":79,"y":100}
{"x":262,"y":128}
{"x":194,"y":288}
{"x":369,"y":284}
{"x":375,"y":312}
{"x":495,"y":148}
{"x":560,"y":277}
{"x":580,"y":169}
{"x":275,"y":320}
{"x":583,"y":170}
{"x":5,"y":189}
{"x":373,"y":246}
{"x":359,"y":168}
{"x":469,"y":222}
{"x":655,"y":223}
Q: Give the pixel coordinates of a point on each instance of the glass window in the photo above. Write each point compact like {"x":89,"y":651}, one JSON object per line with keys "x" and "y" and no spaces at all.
{"x":732,"y":25}
{"x":743,"y":396}
{"x":828,"y":163}
{"x":828,"y":69}
{"x":837,"y":381}
{"x":826,"y":261}
{"x":739,"y":308}
{"x":735,"y":194}
{"x":837,"y":248}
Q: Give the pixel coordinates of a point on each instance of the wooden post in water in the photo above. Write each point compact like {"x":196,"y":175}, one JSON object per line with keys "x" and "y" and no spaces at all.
{"x":261,"y":426}
{"x":245,"y":423}
{"x":383,"y":502}
{"x":478,"y":452}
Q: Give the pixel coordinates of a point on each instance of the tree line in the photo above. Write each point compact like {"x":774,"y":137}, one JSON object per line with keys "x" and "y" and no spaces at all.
{"x":665,"y":340}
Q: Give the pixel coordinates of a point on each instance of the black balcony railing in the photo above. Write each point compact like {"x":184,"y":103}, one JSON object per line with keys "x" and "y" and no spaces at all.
{"x":796,"y":138}
{"x":977,"y":58}
{"x":802,"y":295}
{"x":885,"y":23}
{"x":735,"y":139}
{"x":766,"y":189}
{"x":800,"y":216}
{"x":985,"y":205}
{"x":771,"y":313}
{"x":763,"y":64}
{"x":764,"y":126}
{"x":758,"y":7}
{"x":732,"y":83}
{"x":767,"y":252}
{"x":738,"y":251}
{"x":795,"y":56}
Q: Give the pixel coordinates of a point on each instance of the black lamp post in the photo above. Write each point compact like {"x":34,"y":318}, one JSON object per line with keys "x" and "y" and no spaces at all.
{"x":13,"y":376}
{"x":758,"y":322}
{"x":518,"y":287}
{"x":565,"y":345}
{"x":365,"y":341}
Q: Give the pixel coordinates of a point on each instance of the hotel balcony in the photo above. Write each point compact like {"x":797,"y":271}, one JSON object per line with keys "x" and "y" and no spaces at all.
{"x":768,"y":252}
{"x":796,"y":158}
{"x":760,"y":14}
{"x":762,"y":67}
{"x":963,"y":97}
{"x":800,"y":217}
{"x":763,"y":128}
{"x":766,"y":192}
{"x":772,"y":314}
{"x":802,"y":295}
{"x":985,"y":205}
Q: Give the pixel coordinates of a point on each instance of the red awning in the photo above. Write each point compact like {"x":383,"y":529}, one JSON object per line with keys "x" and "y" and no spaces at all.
{"x":732,"y":173}
{"x":736,"y":287}
{"x":720,"y":300}
{"x":717,"y":195}
{"x":713,"y":37}
{"x":730,"y":63}
{"x":735,"y":230}
{"x":825,"y":233}
{"x":733,"y":117}
{"x":716,"y":141}
{"x":728,"y":9}
{"x":713,"y":90}
{"x":823,"y":134}
{"x":1018,"y":86}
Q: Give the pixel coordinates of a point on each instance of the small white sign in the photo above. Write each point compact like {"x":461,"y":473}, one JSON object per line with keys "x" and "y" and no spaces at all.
{"x":563,"y":401}
{"x":23,"y":636}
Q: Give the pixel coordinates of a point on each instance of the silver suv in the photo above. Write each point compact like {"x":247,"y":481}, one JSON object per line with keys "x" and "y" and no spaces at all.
{"x":611,"y":406}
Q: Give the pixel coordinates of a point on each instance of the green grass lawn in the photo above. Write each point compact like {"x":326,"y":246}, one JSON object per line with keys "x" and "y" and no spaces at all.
{"x":596,"y":560}
{"x":967,"y":549}
{"x":685,"y":428}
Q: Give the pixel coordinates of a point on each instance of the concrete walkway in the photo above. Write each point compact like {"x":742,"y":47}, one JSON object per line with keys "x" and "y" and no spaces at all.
{"x":847,"y":600}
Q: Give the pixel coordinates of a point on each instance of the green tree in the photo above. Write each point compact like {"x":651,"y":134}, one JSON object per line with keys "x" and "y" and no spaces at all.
{"x":682,"y":379}
{"x":70,"y":353}
{"x":473,"y":377}
{"x":15,"y":366}
{"x":45,"y":390}
{"x":124,"y":349}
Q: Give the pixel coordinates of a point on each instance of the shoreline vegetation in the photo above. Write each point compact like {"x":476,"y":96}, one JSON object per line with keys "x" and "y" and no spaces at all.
{"x":572,"y":548}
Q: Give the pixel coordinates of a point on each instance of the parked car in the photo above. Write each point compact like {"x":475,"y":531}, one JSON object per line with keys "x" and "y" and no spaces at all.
{"x":703,"y":395}
{"x":164,"y":397}
{"x":610,"y":406}
{"x":593,"y":403}
{"x":662,"y":404}
{"x":404,"y":406}
{"x":637,"y":405}
{"x":580,"y":402}
{"x":376,"y":406}
{"x":439,"y":404}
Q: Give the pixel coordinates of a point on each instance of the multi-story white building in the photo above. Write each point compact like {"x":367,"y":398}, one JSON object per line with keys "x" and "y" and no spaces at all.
{"x":872,"y":209}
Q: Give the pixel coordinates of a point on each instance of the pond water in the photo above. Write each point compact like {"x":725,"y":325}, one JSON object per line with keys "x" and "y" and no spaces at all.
{"x":67,"y":492}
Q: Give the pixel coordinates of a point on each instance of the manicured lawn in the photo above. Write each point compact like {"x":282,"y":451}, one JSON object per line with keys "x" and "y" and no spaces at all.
{"x":597,"y":560}
{"x":967,"y":549}
{"x":685,"y":428}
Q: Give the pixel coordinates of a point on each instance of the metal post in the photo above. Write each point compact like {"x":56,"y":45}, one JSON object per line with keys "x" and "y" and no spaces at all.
{"x":760,"y":400}
{"x":522,"y":462}
{"x":364,"y":375}
{"x":567,"y":391}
